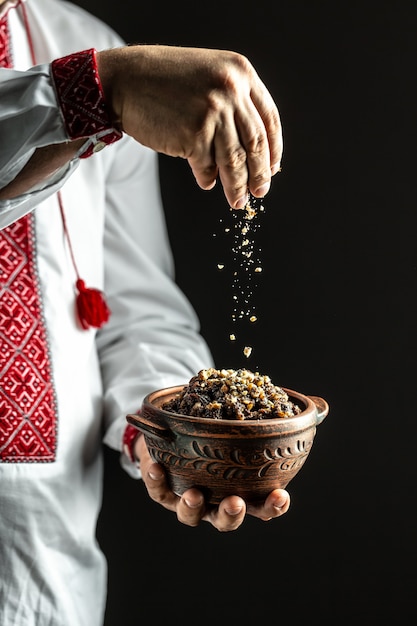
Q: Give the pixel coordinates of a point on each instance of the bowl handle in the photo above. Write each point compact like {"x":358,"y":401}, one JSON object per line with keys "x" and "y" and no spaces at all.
{"x":147,"y":426}
{"x":322,"y":408}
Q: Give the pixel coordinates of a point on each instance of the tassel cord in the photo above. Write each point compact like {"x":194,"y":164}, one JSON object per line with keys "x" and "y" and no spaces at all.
{"x":91,"y":305}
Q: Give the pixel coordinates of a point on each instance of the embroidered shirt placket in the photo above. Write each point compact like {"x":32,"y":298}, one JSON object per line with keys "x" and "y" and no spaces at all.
{"x":28,"y":414}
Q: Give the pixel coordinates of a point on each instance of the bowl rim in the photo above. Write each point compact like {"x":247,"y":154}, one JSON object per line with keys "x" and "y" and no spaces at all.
{"x":149,"y":404}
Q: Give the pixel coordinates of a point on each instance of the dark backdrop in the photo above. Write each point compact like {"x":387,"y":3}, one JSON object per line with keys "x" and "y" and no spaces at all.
{"x":336,"y":304}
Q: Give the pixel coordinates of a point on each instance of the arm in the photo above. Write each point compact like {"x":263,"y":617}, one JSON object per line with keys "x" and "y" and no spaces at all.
{"x":28,"y":102}
{"x":207,"y":106}
{"x":43,"y":165}
{"x":37,"y":153}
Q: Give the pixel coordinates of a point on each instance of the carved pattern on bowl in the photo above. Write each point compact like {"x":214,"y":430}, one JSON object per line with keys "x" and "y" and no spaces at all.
{"x":237,"y":464}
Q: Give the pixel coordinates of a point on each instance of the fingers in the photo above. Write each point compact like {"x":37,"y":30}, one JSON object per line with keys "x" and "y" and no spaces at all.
{"x":228,"y":516}
{"x":269,"y":114}
{"x":276,"y":504}
{"x":204,"y":167}
{"x":233,"y":163}
{"x":256,"y":152}
{"x":154,"y":478}
{"x":191,"y":508}
{"x":243,"y":146}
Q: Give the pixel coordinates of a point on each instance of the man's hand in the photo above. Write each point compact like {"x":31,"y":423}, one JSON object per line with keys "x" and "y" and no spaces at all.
{"x":191,"y":509}
{"x":207,"y":106}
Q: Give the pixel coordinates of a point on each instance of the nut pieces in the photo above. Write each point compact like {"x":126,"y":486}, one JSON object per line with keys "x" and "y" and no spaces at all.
{"x":232,"y":394}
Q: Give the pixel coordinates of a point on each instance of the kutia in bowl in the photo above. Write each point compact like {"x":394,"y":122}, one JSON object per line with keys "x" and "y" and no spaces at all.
{"x":229,"y":432}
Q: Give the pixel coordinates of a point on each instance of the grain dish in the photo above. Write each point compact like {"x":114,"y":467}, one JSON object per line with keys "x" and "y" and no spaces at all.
{"x":232,"y":394}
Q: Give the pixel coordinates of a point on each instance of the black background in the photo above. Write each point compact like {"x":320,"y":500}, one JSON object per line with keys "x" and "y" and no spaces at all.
{"x":336,"y":306}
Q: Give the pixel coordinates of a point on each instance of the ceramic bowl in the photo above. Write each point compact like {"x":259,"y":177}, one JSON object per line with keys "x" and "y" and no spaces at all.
{"x":223,"y":457}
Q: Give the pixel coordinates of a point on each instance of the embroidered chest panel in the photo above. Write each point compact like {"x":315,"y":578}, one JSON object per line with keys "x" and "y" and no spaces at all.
{"x":28,"y":415}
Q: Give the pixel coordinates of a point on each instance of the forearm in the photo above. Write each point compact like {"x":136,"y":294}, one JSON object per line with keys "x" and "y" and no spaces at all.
{"x":64,"y":116}
{"x":42,"y":165}
{"x":207,"y":106}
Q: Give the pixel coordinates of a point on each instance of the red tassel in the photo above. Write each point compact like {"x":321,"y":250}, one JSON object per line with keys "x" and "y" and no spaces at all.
{"x":91,"y":306}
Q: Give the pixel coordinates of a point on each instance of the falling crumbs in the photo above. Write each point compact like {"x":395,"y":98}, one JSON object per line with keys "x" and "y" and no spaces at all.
{"x":245,"y":264}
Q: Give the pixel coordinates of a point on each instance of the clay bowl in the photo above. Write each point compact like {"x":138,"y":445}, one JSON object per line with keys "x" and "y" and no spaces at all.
{"x":222,"y":457}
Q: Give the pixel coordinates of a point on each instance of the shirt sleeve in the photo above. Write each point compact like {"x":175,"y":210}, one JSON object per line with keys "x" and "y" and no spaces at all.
{"x":152,"y":339}
{"x":28,"y":101}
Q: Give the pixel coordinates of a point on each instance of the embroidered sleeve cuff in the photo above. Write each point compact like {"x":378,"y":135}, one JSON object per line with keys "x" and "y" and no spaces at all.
{"x":130,"y":436}
{"x":81,"y":99}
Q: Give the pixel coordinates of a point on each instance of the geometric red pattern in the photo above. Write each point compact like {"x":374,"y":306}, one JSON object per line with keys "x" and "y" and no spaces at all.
{"x":5,"y":51}
{"x":28,"y":417}
{"x":28,"y":413}
{"x":81,"y":97}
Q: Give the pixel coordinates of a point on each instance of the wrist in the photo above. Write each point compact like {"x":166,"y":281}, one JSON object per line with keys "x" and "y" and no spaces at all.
{"x":111,"y":67}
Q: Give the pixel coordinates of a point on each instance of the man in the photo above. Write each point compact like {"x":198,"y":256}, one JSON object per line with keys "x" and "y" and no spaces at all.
{"x":78,"y":221}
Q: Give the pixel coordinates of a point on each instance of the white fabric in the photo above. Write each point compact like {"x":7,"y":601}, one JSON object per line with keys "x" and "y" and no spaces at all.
{"x":52,"y":572}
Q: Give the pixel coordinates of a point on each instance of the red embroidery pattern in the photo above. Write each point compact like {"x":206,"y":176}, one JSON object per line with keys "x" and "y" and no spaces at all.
{"x":81,"y":97}
{"x":129,"y":439}
{"x":5,"y":52}
{"x":28,"y":417}
{"x":27,"y":401}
